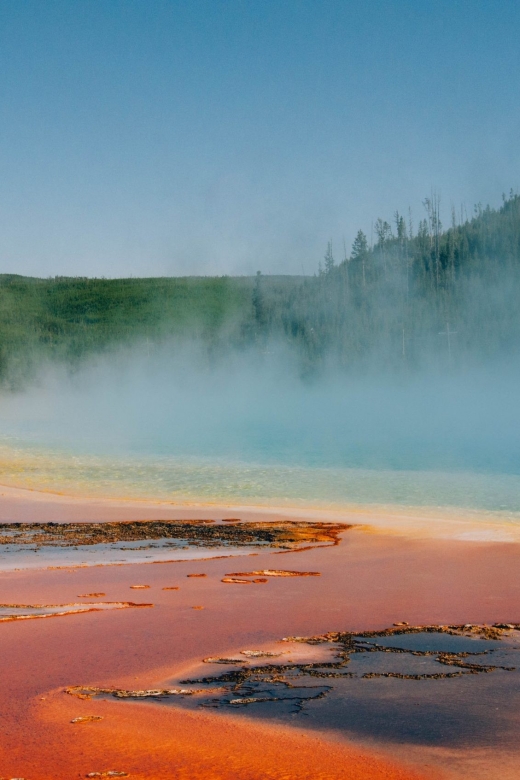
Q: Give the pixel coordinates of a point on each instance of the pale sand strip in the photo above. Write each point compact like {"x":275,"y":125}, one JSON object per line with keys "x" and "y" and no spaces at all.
{"x":25,"y":505}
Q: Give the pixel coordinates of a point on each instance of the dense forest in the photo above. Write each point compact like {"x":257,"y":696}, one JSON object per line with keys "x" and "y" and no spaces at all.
{"x":405,"y":296}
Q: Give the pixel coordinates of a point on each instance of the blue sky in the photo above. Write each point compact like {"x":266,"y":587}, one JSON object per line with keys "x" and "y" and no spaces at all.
{"x":156,"y":137}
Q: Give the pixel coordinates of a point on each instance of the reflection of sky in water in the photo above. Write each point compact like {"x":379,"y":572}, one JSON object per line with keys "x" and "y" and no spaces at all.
{"x":436,"y":641}
{"x":8,"y":612}
{"x":473,"y":710}
{"x":23,"y":556}
{"x":459,"y":711}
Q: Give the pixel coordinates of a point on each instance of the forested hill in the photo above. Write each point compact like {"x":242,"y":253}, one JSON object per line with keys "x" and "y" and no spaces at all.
{"x":416,"y":296}
{"x":406,"y":297}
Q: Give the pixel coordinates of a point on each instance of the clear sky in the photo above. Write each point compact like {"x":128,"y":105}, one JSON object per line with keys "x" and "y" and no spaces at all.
{"x":158,"y":137}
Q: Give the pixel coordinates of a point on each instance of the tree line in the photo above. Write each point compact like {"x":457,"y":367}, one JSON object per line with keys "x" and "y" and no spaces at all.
{"x":404,"y":299}
{"x":409,"y":297}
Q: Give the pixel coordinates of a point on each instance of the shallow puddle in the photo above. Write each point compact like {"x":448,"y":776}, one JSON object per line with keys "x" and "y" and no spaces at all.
{"x":9,"y":612}
{"x":455,"y":686}
{"x":14,"y":557}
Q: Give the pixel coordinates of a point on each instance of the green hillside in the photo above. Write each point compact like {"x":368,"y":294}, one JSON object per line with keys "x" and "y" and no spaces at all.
{"x":416,"y":295}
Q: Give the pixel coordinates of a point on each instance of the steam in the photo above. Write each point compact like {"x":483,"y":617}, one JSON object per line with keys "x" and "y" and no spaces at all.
{"x":255,"y":407}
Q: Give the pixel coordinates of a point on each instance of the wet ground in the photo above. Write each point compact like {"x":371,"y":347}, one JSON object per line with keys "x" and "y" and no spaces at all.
{"x":450,"y":686}
{"x":439,"y":693}
{"x":9,"y":612}
{"x":40,"y":545}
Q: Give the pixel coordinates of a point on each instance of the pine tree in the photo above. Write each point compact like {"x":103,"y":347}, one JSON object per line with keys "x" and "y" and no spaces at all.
{"x":360,"y":252}
{"x":329,"y":258}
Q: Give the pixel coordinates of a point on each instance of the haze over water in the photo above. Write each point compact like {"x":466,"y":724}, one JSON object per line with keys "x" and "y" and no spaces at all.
{"x":253,"y":432}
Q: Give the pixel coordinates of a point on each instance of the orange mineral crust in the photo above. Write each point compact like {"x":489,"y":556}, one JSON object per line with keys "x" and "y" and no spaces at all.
{"x":367,"y":582}
{"x":149,"y":742}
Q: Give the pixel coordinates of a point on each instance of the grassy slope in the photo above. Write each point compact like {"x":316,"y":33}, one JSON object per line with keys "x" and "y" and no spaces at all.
{"x":67,"y":319}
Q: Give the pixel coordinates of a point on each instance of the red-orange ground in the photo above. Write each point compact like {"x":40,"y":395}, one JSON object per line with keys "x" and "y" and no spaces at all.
{"x":368,"y":581}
